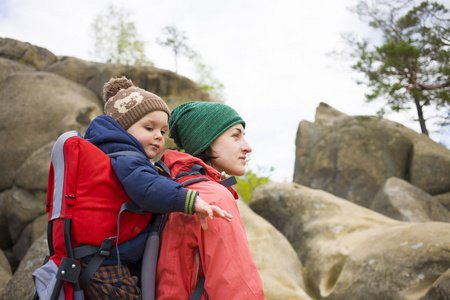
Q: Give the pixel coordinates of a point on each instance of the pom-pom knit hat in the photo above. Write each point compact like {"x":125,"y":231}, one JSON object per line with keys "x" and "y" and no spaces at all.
{"x":195,"y":125}
{"x":127,"y":104}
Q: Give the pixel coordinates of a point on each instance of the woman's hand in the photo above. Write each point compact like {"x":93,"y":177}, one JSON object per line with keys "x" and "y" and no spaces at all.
{"x":203,"y":210}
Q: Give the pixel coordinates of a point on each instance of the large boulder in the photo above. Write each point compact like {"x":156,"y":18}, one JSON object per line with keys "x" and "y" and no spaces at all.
{"x":25,"y":53}
{"x":351,"y":252}
{"x":171,"y":87}
{"x":279,"y":266}
{"x":352,"y":157}
{"x":399,"y":199}
{"x":36,"y":108}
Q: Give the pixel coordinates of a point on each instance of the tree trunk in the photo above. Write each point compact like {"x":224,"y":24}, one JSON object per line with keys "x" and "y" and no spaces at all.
{"x":423,"y":126}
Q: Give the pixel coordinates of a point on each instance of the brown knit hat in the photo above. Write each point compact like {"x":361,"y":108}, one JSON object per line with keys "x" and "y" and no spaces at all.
{"x":127,"y":104}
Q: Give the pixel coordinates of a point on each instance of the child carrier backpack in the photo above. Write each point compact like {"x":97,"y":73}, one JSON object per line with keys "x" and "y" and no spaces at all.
{"x":87,"y":206}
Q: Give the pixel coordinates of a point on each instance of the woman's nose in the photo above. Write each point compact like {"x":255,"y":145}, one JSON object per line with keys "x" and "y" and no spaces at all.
{"x":246,"y":147}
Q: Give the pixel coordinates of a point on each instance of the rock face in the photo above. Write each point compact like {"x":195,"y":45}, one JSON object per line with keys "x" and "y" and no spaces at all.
{"x":351,"y":252}
{"x":352,"y":157}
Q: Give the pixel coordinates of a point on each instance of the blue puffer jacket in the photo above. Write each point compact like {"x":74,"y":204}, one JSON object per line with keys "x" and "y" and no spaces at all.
{"x":139,"y":177}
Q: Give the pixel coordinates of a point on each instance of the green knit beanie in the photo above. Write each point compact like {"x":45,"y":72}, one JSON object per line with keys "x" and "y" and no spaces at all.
{"x":195,"y":125}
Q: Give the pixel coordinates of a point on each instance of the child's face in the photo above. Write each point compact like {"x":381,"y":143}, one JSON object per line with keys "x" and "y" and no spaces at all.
{"x":231,"y":149}
{"x":150,"y":131}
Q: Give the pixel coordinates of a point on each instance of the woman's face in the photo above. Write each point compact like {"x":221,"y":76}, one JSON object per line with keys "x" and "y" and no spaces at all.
{"x":231,"y":149}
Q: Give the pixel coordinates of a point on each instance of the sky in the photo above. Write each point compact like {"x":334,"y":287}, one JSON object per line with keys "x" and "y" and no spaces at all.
{"x":270,"y":55}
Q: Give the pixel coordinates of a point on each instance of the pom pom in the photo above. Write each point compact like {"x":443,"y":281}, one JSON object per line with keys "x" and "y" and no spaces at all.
{"x":114,"y":85}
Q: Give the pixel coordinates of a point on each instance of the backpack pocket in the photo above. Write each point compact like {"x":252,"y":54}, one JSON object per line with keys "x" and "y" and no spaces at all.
{"x":45,"y":279}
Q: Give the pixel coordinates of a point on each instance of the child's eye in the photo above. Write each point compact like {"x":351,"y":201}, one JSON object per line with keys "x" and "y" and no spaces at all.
{"x":163,"y":132}
{"x":149,"y":128}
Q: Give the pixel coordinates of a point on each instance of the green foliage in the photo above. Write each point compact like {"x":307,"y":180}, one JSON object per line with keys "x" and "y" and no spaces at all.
{"x":251,"y":180}
{"x":116,"y":39}
{"x":175,"y":39}
{"x":411,"y":65}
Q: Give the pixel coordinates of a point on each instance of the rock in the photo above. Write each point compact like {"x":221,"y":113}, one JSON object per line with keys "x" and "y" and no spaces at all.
{"x":21,"y":285}
{"x":5,"y":237}
{"x":5,"y":277}
{"x":352,"y":157}
{"x":440,"y":289}
{"x":4,"y":263}
{"x":26,"y":53}
{"x":278,"y":264}
{"x":351,"y":252}
{"x":444,"y":199}
{"x":21,"y":209}
{"x":5,"y":271}
{"x":171,"y":87}
{"x":430,"y":164}
{"x":398,"y":199}
{"x":12,"y":259}
{"x":29,"y":235}
{"x":32,"y":175}
{"x":36,"y":108}
{"x":8,"y":66}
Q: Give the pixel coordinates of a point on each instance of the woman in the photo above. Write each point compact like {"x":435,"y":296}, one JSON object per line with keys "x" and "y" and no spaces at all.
{"x":212,"y":135}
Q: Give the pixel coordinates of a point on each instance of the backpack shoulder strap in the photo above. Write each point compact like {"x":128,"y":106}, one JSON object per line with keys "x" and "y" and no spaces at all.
{"x":198,"y":292}
{"x":163,"y":167}
{"x":230,"y":181}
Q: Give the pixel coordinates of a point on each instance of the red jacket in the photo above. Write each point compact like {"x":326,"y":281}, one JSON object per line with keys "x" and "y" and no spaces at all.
{"x":225,"y":257}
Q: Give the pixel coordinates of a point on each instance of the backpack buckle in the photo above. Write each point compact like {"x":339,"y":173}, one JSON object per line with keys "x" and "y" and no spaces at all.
{"x":105,"y":247}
